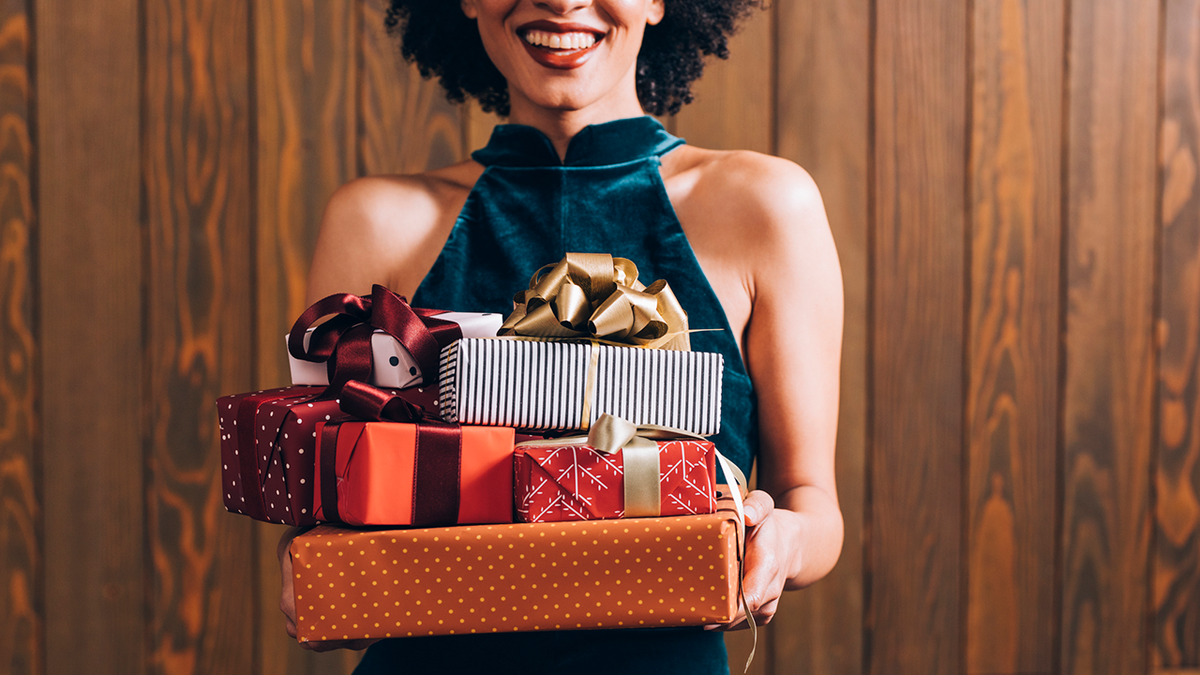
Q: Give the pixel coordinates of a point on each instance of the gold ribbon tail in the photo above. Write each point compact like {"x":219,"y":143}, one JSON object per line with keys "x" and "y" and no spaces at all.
{"x":735,"y":479}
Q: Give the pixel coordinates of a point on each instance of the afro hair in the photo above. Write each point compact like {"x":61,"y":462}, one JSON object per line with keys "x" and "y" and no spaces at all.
{"x":444,"y":43}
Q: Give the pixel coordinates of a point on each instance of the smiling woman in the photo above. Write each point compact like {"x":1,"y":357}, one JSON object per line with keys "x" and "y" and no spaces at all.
{"x":445,"y":43}
{"x":741,"y":237}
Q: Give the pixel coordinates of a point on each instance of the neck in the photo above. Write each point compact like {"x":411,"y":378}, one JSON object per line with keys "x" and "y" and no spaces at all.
{"x":560,"y":126}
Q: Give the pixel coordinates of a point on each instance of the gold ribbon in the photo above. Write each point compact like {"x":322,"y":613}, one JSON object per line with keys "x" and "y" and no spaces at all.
{"x":594,"y":295}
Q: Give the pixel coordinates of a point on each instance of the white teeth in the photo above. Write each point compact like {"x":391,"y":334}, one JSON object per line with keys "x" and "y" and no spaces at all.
{"x":560,"y":40}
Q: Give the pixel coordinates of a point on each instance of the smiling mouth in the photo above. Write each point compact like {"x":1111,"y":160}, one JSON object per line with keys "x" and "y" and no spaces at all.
{"x":560,"y":43}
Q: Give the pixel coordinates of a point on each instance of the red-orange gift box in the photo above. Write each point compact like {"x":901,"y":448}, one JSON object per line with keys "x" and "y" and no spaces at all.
{"x":639,"y":572}
{"x":576,"y":482}
{"x":380,"y":470}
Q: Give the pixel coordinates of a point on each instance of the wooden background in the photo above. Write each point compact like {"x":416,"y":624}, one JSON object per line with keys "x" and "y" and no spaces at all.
{"x":1015,"y":190}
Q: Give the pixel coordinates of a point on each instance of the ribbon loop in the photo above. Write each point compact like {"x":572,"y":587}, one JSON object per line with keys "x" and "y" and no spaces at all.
{"x":597,"y":296}
{"x":344,"y":341}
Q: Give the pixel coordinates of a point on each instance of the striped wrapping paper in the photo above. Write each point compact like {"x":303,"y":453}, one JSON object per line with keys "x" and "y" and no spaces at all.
{"x":540,"y":385}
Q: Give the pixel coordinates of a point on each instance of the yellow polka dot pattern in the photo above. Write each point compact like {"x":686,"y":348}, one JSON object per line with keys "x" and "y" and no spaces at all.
{"x":354,"y":584}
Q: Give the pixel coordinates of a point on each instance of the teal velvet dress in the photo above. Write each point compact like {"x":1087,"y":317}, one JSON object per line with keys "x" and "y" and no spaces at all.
{"x":530,"y":208}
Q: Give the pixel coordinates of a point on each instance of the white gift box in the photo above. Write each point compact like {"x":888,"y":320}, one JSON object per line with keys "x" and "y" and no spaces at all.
{"x":555,"y":385}
{"x":394,"y":367}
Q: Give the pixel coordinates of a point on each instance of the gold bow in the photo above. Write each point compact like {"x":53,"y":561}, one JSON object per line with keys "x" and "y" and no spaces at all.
{"x":594,"y":295}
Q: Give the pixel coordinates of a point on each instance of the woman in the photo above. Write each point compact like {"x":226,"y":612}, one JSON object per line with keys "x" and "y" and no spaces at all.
{"x":742,"y":238}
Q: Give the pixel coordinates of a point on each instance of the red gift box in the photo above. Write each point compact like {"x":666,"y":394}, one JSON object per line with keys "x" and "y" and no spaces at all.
{"x":274,"y":482}
{"x":575,"y":482}
{"x":379,"y":468}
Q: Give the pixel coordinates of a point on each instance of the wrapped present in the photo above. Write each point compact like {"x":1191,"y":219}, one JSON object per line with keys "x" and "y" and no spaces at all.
{"x":268,"y":452}
{"x":392,"y":365}
{"x":344,"y":342}
{"x":268,"y":438}
{"x":563,"y":385}
{"x":410,"y":469}
{"x":614,"y":473}
{"x":275,"y":481}
{"x":353,"y":584}
{"x":565,"y":364}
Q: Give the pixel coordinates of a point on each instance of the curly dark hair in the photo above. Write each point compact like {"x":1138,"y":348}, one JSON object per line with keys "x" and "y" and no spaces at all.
{"x":443,"y":42}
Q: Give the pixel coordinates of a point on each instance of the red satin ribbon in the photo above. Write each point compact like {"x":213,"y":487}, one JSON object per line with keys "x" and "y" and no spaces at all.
{"x":438,"y":448}
{"x":344,"y":341}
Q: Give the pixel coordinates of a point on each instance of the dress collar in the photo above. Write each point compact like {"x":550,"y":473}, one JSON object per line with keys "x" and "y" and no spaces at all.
{"x":615,"y":142}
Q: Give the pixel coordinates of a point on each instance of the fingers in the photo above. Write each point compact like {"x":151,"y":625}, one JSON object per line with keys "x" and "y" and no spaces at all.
{"x":758,"y":507}
{"x":355,"y":645}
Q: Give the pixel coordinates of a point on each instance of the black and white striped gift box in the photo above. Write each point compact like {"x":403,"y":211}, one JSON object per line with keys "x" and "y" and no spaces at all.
{"x":541,"y":385}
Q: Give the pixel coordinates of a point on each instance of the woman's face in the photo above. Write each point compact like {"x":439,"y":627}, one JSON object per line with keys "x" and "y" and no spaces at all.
{"x":565,"y":54}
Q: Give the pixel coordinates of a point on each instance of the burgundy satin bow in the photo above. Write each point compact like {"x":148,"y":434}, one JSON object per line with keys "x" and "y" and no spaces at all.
{"x":344,"y":341}
{"x":438,"y":448}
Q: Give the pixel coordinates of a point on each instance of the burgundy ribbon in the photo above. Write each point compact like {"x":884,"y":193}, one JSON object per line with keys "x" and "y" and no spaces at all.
{"x":247,"y":449}
{"x":438,"y":449}
{"x":344,"y":341}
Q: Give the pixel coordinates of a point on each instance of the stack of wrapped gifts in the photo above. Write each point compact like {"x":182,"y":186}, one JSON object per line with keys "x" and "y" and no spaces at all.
{"x":467,"y":474}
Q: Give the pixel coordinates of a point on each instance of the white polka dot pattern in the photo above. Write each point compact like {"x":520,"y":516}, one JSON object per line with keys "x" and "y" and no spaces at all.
{"x":353,"y":584}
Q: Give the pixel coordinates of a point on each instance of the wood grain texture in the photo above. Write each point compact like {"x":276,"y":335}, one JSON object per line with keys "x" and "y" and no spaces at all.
{"x":477,"y":126}
{"x":21,"y":608}
{"x":733,"y":106}
{"x":90,"y":360}
{"x":913,"y":575}
{"x":405,"y":123}
{"x":1012,"y":396}
{"x":197,"y":183}
{"x":1176,"y":633}
{"x":821,"y":111}
{"x":1108,"y":415}
{"x":306,"y":75}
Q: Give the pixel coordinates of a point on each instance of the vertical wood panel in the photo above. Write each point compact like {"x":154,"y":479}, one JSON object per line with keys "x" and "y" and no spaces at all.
{"x":477,"y":126}
{"x":733,"y":106}
{"x":405,"y":123}
{"x":1110,"y":376}
{"x":90,"y":267}
{"x":197,"y":181}
{"x":915,"y":457}
{"x":305,"y":65}
{"x":20,"y":517}
{"x":1177,"y":544}
{"x":822,"y":93}
{"x":1012,"y":397}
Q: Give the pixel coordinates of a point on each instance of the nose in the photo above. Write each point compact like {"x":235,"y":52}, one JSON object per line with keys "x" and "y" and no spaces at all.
{"x":562,"y":7}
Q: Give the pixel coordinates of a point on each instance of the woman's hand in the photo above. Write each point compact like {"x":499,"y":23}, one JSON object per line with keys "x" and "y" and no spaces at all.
{"x":287,"y":600}
{"x":772,"y":555}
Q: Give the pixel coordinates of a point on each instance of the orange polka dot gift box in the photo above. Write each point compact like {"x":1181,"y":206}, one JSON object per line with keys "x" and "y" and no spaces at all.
{"x":639,"y":572}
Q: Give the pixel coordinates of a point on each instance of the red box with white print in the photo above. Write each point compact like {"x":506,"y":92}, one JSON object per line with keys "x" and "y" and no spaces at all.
{"x":575,"y":482}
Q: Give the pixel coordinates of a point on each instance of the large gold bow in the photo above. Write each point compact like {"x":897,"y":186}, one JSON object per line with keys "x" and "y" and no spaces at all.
{"x":594,"y":295}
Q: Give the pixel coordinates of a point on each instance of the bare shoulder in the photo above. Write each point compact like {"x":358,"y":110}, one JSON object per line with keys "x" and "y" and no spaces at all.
{"x":760,"y":213}
{"x":387,"y":230}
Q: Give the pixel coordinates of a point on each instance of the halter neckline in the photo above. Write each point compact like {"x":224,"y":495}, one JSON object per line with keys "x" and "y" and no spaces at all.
{"x":616,"y":142}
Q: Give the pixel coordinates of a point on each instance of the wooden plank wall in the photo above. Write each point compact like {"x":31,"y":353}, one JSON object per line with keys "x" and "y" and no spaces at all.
{"x":1014,"y":186}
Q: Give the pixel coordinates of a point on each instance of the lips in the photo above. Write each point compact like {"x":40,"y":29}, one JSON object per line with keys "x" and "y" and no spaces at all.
{"x":562,"y":46}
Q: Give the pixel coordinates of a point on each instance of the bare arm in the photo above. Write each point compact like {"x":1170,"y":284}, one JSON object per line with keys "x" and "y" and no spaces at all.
{"x":792,"y":345}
